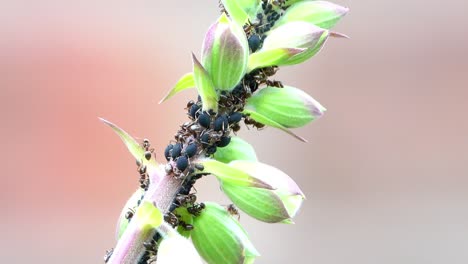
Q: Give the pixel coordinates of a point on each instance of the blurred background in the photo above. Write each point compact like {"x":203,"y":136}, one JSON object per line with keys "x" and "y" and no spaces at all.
{"x":385,"y":170}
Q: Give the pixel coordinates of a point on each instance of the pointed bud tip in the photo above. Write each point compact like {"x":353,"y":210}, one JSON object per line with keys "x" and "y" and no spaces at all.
{"x":338,"y":35}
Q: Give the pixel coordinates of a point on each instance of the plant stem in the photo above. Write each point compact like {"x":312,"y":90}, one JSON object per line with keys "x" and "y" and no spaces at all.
{"x":130,"y":248}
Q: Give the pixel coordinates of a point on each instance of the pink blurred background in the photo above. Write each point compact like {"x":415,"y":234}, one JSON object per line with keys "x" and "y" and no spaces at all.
{"x":385,"y":171}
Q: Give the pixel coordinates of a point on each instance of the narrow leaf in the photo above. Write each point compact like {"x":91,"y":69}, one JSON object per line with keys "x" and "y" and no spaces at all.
{"x":204,"y":86}
{"x":132,"y":145}
{"x":186,"y":82}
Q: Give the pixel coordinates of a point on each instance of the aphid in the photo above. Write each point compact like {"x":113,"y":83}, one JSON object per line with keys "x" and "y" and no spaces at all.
{"x":191,"y":150}
{"x":211,"y":150}
{"x":205,"y":139}
{"x":234,"y":117}
{"x":199,"y":166}
{"x":254,"y":42}
{"x":167,"y":151}
{"x":196,"y":209}
{"x":108,"y":255}
{"x":224,"y":142}
{"x":176,"y":150}
{"x":204,"y":120}
{"x":220,"y":123}
{"x":232,"y":210}
{"x":129,"y":214}
{"x":182,"y":163}
{"x":194,"y":113}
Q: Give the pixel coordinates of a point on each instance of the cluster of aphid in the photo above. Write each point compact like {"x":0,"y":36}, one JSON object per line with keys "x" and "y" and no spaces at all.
{"x":255,"y":30}
{"x":206,"y":131}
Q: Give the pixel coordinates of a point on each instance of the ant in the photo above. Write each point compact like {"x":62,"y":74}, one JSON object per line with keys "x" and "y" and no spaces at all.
{"x":148,"y":151}
{"x":232,"y":210}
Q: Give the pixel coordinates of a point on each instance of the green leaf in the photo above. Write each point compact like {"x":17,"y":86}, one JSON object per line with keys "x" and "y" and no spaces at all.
{"x":231,"y":175}
{"x":186,"y":82}
{"x":204,"y":86}
{"x":266,"y":121}
{"x":135,"y":149}
{"x":238,"y":149}
{"x":271,"y":57}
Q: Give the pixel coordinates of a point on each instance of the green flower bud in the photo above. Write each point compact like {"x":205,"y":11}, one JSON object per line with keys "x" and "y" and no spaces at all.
{"x":268,"y":205}
{"x":267,"y":121}
{"x":238,"y":149}
{"x":291,"y":2}
{"x":288,"y":106}
{"x":205,"y":86}
{"x":271,"y":57}
{"x":219,"y":238}
{"x":241,"y":10}
{"x":228,"y":174}
{"x":320,"y":13}
{"x":225,"y":53}
{"x":297,"y":35}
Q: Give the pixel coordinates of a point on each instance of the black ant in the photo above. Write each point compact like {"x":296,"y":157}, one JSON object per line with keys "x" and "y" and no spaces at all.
{"x":232,"y":210}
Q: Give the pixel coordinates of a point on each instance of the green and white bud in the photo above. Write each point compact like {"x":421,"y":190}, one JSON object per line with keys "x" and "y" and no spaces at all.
{"x":205,"y":86}
{"x":225,"y":53}
{"x":277,"y":205}
{"x":271,"y":57}
{"x":219,"y":238}
{"x":175,"y":249}
{"x":288,"y":106}
{"x":297,"y":35}
{"x":320,"y":13}
{"x":238,"y":149}
{"x":267,"y":121}
{"x":228,"y":174}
